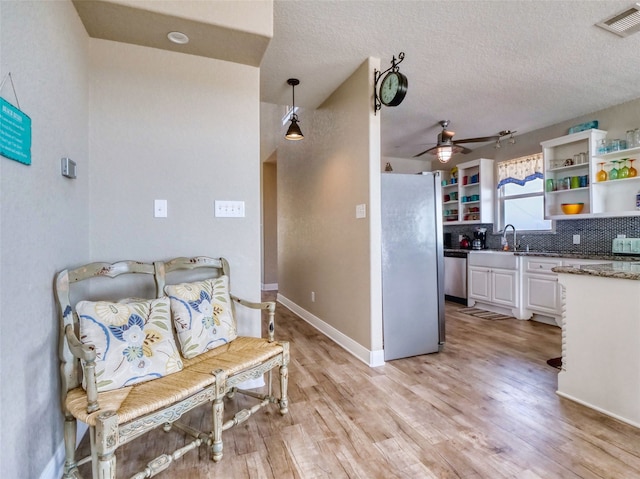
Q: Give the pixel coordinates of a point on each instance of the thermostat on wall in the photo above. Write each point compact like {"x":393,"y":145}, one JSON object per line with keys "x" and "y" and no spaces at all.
{"x":68,"y":167}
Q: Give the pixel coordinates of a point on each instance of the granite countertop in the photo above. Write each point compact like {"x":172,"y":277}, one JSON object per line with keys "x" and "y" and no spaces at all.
{"x":616,"y":269}
{"x":559,"y":254}
{"x":596,"y":256}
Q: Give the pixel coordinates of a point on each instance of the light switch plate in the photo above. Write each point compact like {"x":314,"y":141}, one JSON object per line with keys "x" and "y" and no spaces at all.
{"x":68,"y":167}
{"x":160,"y":208}
{"x":361,"y":211}
{"x":229,"y":209}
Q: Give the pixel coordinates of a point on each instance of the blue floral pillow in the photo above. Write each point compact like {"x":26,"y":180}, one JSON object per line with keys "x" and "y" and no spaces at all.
{"x":202,"y":315}
{"x":134,"y":341}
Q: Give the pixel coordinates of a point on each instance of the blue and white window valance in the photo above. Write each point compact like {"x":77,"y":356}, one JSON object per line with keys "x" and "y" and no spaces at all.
{"x":520,"y":170}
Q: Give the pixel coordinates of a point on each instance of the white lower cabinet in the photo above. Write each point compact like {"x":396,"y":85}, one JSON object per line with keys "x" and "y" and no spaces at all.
{"x":493,"y":285}
{"x":542,"y":293}
{"x":504,"y":287}
{"x":494,"y":282}
{"x":519,"y":285}
{"x":479,"y":286}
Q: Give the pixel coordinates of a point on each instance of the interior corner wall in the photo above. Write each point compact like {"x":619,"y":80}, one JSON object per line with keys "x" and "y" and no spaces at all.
{"x":44,"y":219}
{"x":322,"y":247}
{"x":270,"y":224}
{"x":181,"y":128}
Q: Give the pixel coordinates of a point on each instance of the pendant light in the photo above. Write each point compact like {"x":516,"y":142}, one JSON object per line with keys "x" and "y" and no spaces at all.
{"x":294,"y":133}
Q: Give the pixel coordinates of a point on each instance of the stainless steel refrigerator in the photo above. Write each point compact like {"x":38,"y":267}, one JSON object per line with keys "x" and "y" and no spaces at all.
{"x":412,"y":265}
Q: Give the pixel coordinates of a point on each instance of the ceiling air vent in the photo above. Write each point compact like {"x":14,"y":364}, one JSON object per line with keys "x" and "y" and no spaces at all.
{"x":624,"y":23}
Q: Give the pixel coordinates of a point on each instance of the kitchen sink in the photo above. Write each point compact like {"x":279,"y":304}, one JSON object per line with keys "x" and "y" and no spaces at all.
{"x":493,"y":259}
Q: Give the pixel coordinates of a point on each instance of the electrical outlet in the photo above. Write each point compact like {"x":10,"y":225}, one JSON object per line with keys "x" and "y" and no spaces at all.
{"x":576,"y":239}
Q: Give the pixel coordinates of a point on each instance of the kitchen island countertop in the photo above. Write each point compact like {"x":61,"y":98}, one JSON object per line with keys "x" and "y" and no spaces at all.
{"x":616,"y":269}
{"x":595,"y":256}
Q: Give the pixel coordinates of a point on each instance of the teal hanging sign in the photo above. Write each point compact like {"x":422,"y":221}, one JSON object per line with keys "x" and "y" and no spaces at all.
{"x":15,"y":133}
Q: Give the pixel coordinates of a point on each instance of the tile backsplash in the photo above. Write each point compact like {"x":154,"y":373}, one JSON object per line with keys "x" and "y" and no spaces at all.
{"x":596,"y":235}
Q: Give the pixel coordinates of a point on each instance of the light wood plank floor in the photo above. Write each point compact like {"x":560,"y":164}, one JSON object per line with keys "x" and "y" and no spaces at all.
{"x":485,"y":407}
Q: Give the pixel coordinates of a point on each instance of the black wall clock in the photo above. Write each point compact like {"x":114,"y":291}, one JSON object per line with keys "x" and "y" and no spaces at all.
{"x":393,"y":87}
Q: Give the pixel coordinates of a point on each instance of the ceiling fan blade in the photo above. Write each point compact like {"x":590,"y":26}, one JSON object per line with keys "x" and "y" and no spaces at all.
{"x":445,"y":138}
{"x":425,"y":151}
{"x":478,"y":140}
{"x":460,"y":149}
{"x":456,"y":149}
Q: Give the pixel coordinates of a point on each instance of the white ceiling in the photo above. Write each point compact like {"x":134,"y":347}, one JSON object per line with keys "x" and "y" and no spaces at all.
{"x":485,"y":65}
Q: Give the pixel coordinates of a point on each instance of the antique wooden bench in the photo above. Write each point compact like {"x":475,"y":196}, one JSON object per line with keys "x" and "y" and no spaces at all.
{"x":133,"y":365}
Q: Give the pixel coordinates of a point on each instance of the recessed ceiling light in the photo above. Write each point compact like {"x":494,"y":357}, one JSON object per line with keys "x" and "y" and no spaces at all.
{"x":178,"y":37}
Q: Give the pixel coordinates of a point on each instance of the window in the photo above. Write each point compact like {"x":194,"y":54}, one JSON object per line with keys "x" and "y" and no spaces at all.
{"x":521,"y":195}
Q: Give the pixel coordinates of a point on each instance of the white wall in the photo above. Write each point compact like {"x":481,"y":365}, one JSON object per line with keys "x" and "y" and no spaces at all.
{"x":322,"y":247}
{"x":141,"y":124}
{"x":181,"y":128}
{"x":44,"y":220}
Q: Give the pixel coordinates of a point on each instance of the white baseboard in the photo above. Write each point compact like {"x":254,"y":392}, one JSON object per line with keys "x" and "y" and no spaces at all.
{"x":370,"y":358}
{"x":599,"y":409}
{"x":269,"y":286}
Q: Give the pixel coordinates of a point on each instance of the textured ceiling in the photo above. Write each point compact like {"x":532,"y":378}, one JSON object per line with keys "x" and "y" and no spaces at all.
{"x":485,"y":65}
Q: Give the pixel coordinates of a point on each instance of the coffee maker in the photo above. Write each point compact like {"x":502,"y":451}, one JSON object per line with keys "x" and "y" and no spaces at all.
{"x":479,"y":239}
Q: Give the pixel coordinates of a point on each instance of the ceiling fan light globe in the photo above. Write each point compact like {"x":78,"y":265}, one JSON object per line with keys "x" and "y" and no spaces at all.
{"x":444,"y":153}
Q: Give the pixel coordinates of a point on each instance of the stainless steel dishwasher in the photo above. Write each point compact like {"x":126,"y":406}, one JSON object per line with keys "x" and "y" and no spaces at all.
{"x":455,"y":276}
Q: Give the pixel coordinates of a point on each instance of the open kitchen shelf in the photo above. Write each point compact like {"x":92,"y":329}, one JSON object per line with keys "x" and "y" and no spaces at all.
{"x":602,"y":199}
{"x":479,"y":183}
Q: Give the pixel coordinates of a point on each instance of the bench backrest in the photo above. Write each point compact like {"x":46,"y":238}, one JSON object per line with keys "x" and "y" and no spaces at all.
{"x":70,"y":368}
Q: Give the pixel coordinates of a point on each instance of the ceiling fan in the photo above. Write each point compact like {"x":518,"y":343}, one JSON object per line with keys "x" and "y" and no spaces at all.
{"x":447,"y":146}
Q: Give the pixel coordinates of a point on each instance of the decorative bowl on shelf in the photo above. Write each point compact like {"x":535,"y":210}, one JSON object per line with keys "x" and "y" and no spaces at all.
{"x":572,"y":208}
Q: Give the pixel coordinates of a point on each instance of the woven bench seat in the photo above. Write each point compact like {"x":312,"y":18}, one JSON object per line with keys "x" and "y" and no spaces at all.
{"x":144,"y":398}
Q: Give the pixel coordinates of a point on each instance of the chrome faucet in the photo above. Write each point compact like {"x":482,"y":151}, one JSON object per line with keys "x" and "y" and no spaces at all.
{"x":504,"y":237}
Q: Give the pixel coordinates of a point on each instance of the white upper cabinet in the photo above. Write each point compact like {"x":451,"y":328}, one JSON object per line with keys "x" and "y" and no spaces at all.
{"x":467,"y":198}
{"x":616,"y":197}
{"x":574,"y":178}
{"x":568,"y":172}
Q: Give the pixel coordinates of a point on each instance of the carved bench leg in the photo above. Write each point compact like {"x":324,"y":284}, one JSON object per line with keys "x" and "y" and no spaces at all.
{"x":284,"y":379}
{"x":218,"y":415}
{"x":105,"y":444}
{"x":70,"y":465}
